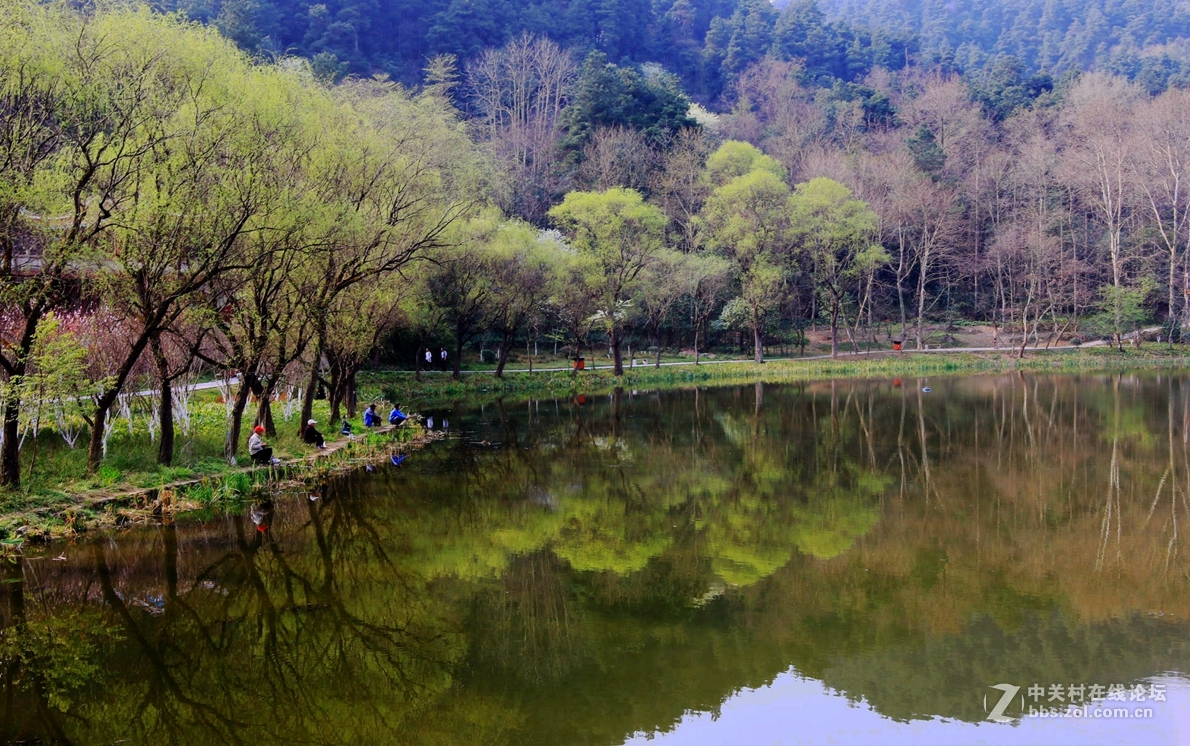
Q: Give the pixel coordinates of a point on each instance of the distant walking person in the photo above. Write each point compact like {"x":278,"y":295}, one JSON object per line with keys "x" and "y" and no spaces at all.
{"x":442,"y":357}
{"x":429,"y":359}
{"x":312,"y":436}
{"x":261,"y":454}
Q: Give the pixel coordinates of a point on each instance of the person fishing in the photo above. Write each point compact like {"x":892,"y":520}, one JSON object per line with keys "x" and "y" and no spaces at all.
{"x":371,"y":416}
{"x":396,"y":417}
{"x":346,"y":428}
{"x":311,"y":435}
{"x":260,"y":452}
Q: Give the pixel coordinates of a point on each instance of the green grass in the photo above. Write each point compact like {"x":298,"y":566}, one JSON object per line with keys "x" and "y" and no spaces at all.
{"x":54,"y":475}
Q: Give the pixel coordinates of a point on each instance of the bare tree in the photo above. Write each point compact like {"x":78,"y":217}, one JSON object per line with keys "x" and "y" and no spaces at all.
{"x":519,"y":91}
{"x":679,"y":188}
{"x":617,"y":157}
{"x":1162,"y":164}
{"x":1098,"y":162}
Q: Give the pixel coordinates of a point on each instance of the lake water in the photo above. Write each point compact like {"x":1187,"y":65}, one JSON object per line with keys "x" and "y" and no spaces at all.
{"x":850,"y":562}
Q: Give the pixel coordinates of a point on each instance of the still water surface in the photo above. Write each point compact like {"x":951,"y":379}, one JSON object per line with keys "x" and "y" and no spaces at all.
{"x":851,"y":562}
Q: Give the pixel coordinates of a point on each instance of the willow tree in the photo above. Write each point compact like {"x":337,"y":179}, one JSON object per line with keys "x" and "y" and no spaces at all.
{"x":90,"y":107}
{"x":836,"y":234}
{"x":361,"y":319}
{"x":396,"y":172}
{"x":196,"y":191}
{"x":621,"y":234}
{"x":257,"y":305}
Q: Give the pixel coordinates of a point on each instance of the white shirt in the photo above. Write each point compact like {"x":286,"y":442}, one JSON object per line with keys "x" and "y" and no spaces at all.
{"x":255,"y":443}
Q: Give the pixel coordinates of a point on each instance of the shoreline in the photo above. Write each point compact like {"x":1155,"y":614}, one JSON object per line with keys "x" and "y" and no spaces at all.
{"x":439,"y":388}
{"x":107,"y":509}
{"x":104,"y":508}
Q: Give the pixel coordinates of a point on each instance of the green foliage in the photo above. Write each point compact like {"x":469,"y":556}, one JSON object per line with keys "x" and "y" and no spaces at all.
{"x":608,"y":95}
{"x":734,"y":159}
{"x":747,"y":221}
{"x":976,"y":36}
{"x":619,"y":233}
{"x":1121,"y":309}
{"x":927,"y":155}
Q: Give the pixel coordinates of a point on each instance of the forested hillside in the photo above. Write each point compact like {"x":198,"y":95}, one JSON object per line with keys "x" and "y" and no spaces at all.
{"x":1144,"y":39}
{"x":707,"y":43}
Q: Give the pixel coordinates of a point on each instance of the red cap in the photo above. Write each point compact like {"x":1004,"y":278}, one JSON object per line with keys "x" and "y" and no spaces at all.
{"x":258,"y":429}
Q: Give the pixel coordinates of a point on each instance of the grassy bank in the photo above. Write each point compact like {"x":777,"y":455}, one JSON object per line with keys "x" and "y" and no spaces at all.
{"x":437,"y":388}
{"x":59,"y":497}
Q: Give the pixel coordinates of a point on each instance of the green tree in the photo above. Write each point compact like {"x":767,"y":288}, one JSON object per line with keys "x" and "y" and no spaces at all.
{"x":84,"y":103}
{"x":747,"y":221}
{"x":197,"y":190}
{"x":734,"y":159}
{"x":836,"y":233}
{"x":621,"y":234}
{"x":461,"y":281}
{"x":522,"y":262}
{"x":608,"y":95}
{"x":397,"y":173}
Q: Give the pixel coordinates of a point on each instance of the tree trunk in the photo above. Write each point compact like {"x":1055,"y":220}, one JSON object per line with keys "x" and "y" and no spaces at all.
{"x":165,"y":415}
{"x":617,"y":358}
{"x":657,"y":339}
{"x":901,"y":286}
{"x":95,"y":445}
{"x":921,"y":305}
{"x":10,"y":453}
{"x":758,"y":346}
{"x":264,"y":409}
{"x":351,"y":393}
{"x":834,"y":328}
{"x":505,"y":348}
{"x":334,"y":393}
{"x":165,"y":412}
{"x":457,"y":372}
{"x":696,"y":343}
{"x":232,"y":446}
{"x":311,"y":391}
{"x":104,"y":403}
{"x":417,"y":358}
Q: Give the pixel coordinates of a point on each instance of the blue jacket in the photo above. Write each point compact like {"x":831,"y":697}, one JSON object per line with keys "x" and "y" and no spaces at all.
{"x":396,"y":417}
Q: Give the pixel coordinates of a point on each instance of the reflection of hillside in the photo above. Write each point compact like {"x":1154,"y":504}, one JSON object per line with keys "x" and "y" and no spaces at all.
{"x":612,"y":566}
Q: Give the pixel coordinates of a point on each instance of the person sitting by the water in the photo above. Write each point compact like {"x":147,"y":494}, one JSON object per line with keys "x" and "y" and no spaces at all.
{"x":346,"y":430}
{"x":396,"y":417}
{"x":260,"y":453}
{"x":371,"y":416}
{"x":312,"y":436}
